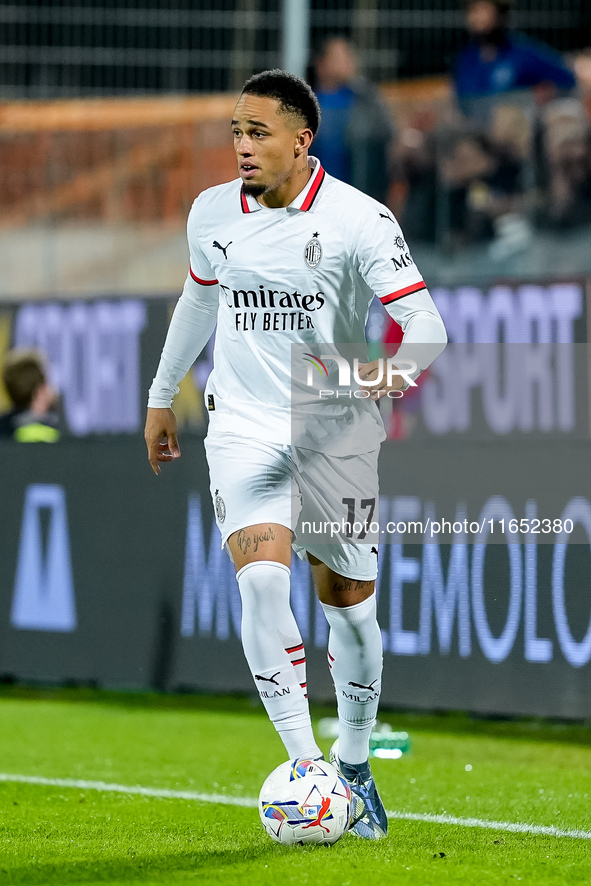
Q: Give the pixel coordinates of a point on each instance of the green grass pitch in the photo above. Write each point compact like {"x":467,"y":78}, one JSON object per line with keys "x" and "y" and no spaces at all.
{"x":521,"y":773}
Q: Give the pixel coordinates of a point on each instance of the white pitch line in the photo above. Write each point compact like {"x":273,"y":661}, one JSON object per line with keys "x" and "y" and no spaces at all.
{"x":251,"y":803}
{"x":106,"y":787}
{"x":514,"y":827}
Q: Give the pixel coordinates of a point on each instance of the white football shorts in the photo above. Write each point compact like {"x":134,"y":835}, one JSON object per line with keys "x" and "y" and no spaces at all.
{"x":330,"y":503}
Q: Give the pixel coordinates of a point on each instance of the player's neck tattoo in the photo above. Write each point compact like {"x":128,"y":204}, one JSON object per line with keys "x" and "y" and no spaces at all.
{"x":286,"y":190}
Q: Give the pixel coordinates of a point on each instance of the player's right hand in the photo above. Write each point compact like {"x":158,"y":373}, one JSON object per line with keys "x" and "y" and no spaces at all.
{"x":161,"y":438}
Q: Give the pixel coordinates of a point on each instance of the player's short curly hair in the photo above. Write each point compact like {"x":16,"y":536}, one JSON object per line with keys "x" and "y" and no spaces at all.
{"x":294,"y":95}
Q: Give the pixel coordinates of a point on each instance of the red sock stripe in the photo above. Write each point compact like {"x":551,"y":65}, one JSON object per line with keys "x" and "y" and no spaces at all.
{"x":330,"y":658}
{"x":299,"y":661}
{"x":294,"y":648}
{"x":303,"y":685}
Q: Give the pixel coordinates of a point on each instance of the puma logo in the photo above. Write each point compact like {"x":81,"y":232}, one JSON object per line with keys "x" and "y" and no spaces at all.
{"x":383,"y":215}
{"x":269,"y":679}
{"x":217,"y":245}
{"x":361,"y":686}
{"x":325,"y":806}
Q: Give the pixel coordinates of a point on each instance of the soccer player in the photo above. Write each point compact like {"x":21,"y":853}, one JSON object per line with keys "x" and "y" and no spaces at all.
{"x":287,"y":255}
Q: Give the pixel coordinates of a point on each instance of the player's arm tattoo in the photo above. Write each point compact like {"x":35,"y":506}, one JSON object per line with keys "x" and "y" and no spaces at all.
{"x":267,"y":535}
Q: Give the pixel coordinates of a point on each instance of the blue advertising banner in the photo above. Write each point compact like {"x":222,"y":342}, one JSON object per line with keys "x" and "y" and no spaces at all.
{"x":111,"y":576}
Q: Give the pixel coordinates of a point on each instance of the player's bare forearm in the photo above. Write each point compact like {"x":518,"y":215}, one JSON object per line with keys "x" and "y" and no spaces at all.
{"x":161,"y":437}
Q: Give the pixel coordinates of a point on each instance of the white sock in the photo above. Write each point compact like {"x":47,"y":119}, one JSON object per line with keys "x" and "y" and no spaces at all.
{"x":275,"y":653}
{"x":355,"y":661}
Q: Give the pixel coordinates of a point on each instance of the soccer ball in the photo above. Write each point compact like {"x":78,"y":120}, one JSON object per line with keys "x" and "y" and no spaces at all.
{"x":305,"y":801}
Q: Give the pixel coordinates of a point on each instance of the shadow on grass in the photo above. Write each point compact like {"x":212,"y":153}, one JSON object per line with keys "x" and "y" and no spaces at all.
{"x":141,"y":867}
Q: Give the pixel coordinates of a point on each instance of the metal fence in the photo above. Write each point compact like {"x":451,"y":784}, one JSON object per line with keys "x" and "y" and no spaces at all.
{"x":60,"y":48}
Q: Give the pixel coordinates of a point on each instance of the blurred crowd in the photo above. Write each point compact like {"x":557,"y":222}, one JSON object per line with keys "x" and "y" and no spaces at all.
{"x":512,"y":155}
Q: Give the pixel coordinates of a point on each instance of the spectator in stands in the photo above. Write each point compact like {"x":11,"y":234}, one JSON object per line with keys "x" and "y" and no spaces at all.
{"x":582,"y":66}
{"x":498,"y":60}
{"x":354,"y":139}
{"x":416,"y":165}
{"x":482,"y":184}
{"x":567,"y":150}
{"x":33,"y":418}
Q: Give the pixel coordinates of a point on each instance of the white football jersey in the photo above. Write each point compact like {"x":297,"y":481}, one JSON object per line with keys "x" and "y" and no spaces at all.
{"x":300,"y":275}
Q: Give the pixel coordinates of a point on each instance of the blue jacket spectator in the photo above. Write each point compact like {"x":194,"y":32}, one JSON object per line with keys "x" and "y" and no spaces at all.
{"x":356,"y":131}
{"x":499,"y":61}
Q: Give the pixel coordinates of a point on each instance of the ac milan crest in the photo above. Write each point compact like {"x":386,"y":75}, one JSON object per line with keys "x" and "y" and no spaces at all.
{"x":220,"y":506}
{"x":313,"y":252}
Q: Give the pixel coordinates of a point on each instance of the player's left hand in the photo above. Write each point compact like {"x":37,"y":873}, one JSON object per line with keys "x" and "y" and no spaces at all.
{"x":370,"y":371}
{"x":161,"y":437}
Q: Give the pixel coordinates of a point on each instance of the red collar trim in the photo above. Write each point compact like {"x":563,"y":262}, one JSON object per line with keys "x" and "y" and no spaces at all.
{"x":318,"y":176}
{"x":313,"y":192}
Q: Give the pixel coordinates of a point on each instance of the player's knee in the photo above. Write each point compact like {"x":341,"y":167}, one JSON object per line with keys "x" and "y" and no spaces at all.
{"x":262,"y":580}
